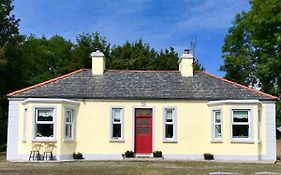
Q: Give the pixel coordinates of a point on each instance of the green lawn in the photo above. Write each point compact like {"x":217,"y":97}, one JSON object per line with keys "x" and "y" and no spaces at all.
{"x":134,"y":167}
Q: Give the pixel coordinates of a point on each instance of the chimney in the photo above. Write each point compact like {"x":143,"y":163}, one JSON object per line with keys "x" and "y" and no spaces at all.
{"x":186,"y":64}
{"x":98,"y":62}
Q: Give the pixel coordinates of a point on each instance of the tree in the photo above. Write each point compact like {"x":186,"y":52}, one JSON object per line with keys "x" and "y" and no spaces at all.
{"x":140,"y":56}
{"x":167,"y":59}
{"x":251,"y":49}
{"x":39,"y":59}
{"x":8,"y":23}
{"x":9,"y":34}
{"x":131,"y":56}
{"x":86,"y":44}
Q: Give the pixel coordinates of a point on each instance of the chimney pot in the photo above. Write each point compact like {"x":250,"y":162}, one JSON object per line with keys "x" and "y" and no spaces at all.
{"x":186,"y":51}
{"x":98,"y":49}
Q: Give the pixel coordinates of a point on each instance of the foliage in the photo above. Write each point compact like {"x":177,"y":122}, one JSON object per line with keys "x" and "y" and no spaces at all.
{"x":140,"y":56}
{"x":77,"y":155}
{"x":129,"y":154}
{"x":208,"y":156}
{"x":252,"y":48}
{"x":131,"y":56}
{"x":86,"y":44}
{"x":9,"y":35}
{"x":157,"y":154}
{"x":8,"y":24}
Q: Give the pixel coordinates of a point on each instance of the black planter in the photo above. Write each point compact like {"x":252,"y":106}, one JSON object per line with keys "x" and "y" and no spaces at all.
{"x":78,"y":156}
{"x":157,"y":154}
{"x":208,"y":156}
{"x":129,"y":154}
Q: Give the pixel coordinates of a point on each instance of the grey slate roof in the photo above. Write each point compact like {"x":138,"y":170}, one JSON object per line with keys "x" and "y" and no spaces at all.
{"x":141,"y":85}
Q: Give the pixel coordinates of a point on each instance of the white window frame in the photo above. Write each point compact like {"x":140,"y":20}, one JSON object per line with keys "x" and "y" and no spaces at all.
{"x":35,"y":111}
{"x":24,"y":125}
{"x":72,"y":123}
{"x":250,"y":139}
{"x":174,"y":123}
{"x":213,"y":125}
{"x":112,"y":122}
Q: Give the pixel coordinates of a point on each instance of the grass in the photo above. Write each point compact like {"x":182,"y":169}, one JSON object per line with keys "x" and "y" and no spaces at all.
{"x":279,"y":148}
{"x":133,"y":167}
{"x":136,"y":167}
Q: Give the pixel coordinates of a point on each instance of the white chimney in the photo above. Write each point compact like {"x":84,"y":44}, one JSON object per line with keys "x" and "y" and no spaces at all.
{"x":186,"y":64}
{"x":98,"y":62}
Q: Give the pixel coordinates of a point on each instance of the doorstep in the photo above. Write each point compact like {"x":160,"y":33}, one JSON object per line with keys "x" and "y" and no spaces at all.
{"x":144,"y":155}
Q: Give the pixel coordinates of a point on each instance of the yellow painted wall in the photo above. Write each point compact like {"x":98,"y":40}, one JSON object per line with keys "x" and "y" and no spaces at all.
{"x":193,"y":128}
{"x":186,"y":66}
{"x":98,"y":65}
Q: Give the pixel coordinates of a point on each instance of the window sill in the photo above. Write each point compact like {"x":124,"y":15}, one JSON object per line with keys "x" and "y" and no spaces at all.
{"x":216,"y":141}
{"x":170,"y":141}
{"x":44,"y":140}
{"x":248,"y":141}
{"x":69,"y":140}
{"x":117,"y":140}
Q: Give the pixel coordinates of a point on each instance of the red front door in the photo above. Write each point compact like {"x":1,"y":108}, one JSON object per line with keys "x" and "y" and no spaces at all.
{"x":143,"y":131}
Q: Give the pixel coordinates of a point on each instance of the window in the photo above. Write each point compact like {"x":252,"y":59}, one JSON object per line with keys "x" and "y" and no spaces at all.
{"x":117,"y":123}
{"x":44,"y":126}
{"x":69,"y":124}
{"x":169,"y":124}
{"x":217,"y":125}
{"x":240,"y":124}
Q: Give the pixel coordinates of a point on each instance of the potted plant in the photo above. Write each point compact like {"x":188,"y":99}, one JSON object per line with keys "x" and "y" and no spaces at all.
{"x":157,"y":154}
{"x":129,"y":154}
{"x":78,"y":156}
{"x":208,"y":156}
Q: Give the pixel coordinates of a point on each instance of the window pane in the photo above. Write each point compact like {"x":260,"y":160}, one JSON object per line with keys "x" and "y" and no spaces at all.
{"x":144,"y":111}
{"x":169,"y":131}
{"x":116,"y":130}
{"x":139,"y":130}
{"x":44,"y":130}
{"x":139,"y":122}
{"x":117,"y":115}
{"x":169,"y":115}
{"x":240,"y":131}
{"x":68,"y":131}
{"x":45,"y":115}
{"x":217,"y":131}
{"x":145,"y":122}
{"x":217,"y":117}
{"x":68,"y":117}
{"x":240,"y":116}
{"x":146,"y":130}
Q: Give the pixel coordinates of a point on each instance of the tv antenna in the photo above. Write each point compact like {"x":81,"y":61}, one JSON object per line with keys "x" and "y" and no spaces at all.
{"x":193,"y":45}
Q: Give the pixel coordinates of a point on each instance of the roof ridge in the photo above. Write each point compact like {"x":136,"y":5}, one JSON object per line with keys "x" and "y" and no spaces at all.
{"x":240,"y":85}
{"x":123,"y":70}
{"x":45,"y":82}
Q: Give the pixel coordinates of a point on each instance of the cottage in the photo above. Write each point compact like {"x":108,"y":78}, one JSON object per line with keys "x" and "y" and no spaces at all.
{"x":102,"y":113}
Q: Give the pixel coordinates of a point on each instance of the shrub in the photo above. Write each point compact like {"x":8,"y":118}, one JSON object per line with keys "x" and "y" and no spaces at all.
{"x":3,"y":148}
{"x":129,"y":154}
{"x":208,"y":156}
{"x":78,"y":156}
{"x":157,"y":154}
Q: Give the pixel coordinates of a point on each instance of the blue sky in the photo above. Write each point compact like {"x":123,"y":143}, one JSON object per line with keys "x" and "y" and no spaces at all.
{"x":161,"y":23}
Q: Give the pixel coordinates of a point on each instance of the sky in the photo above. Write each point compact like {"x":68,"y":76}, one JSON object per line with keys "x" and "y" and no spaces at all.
{"x":160,"y":23}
